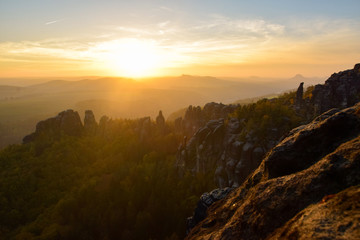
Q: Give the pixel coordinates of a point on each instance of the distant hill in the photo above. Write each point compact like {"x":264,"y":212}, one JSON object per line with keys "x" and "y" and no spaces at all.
{"x":9,"y":92}
{"x":255,"y":99}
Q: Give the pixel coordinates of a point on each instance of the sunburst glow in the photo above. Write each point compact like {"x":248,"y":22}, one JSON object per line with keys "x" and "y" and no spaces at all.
{"x":131,"y":57}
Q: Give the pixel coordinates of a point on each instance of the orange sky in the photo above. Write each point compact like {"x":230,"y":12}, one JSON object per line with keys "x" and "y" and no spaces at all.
{"x":156,"y":38}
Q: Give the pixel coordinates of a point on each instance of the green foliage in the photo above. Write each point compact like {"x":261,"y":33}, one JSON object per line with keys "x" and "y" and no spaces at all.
{"x":308,"y":92}
{"x":116,"y":185}
{"x":120,"y":183}
{"x":267,"y":120}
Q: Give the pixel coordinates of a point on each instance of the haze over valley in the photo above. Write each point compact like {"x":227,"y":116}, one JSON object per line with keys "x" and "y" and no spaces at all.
{"x":22,"y":107}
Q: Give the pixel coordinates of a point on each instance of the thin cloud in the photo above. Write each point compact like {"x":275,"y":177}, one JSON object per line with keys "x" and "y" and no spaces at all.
{"x":49,"y":49}
{"x":167,"y":9}
{"x":133,"y":30}
{"x":55,"y":21}
{"x":163,"y":24}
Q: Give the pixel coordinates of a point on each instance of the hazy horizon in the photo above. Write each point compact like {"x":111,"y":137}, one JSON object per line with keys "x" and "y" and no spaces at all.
{"x":169,"y":54}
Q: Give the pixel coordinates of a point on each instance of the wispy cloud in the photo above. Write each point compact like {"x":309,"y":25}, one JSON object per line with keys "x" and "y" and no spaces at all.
{"x":56,"y":49}
{"x":133,"y":30}
{"x":163,"y":24}
{"x":221,"y":24}
{"x":217,"y":39}
{"x":55,"y":21}
{"x":167,"y":9}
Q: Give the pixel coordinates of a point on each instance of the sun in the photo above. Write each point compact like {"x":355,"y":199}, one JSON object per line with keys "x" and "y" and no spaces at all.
{"x":132,"y":57}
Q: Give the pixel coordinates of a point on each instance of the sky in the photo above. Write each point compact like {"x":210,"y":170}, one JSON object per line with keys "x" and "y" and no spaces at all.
{"x":145,"y":38}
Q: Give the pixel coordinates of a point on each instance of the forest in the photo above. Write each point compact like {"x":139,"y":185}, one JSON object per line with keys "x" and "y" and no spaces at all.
{"x":117,"y":181}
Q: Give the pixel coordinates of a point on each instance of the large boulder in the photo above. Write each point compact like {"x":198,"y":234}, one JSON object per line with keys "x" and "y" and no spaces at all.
{"x":302,"y":189}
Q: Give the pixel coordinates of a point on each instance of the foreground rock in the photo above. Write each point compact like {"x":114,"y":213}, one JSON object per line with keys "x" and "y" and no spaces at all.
{"x":206,"y":200}
{"x":315,"y":167}
{"x":335,"y":217}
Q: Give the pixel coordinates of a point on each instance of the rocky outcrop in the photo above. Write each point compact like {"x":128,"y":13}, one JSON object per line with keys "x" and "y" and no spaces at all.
{"x":67,"y":122}
{"x":217,"y":146}
{"x":160,"y":123}
{"x":302,"y":188}
{"x":206,"y":200}
{"x":306,"y":144}
{"x":339,"y":91}
{"x":299,"y":97}
{"x":196,"y":117}
{"x":104,"y":128}
{"x":160,"y":120}
{"x":90,"y":124}
{"x":144,"y":128}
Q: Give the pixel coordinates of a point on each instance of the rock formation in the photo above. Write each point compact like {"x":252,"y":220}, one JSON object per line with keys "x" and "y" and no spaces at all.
{"x":196,"y":117}
{"x":206,"y":200}
{"x":339,"y":91}
{"x":299,"y":96}
{"x":160,"y":120}
{"x":217,"y":146}
{"x":103,"y":128}
{"x":90,"y":124}
{"x":67,"y":122}
{"x":160,"y":123}
{"x":306,"y":187}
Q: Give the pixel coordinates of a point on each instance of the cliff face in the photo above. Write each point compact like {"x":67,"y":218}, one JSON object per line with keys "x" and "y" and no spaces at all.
{"x":307,"y":186}
{"x":340,"y":90}
{"x":216,"y":145}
